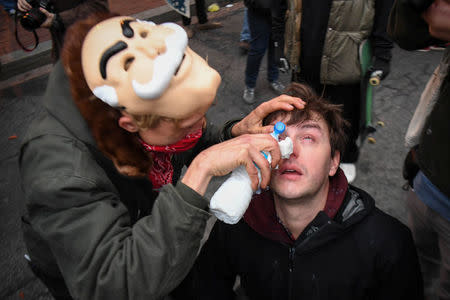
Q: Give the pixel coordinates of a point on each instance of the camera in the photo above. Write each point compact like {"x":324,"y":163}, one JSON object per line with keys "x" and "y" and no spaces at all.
{"x":33,"y":19}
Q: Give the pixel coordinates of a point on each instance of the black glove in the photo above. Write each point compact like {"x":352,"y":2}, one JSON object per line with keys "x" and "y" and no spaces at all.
{"x":380,"y":68}
{"x":282,"y":62}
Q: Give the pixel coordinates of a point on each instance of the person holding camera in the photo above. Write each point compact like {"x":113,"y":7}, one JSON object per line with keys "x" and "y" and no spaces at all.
{"x":57,"y":16}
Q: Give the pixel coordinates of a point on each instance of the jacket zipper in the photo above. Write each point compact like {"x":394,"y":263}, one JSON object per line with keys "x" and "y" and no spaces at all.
{"x":291,"y":269}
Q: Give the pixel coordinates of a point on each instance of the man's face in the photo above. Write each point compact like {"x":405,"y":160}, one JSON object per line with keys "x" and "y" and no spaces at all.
{"x":306,"y":172}
{"x":168,"y":132}
{"x":147,"y":69}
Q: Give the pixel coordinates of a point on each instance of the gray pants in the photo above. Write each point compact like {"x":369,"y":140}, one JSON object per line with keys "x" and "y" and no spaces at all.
{"x":431,"y":234}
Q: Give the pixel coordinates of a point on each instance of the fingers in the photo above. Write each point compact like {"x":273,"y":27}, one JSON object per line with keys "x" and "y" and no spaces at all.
{"x":269,"y":145}
{"x":283,"y":102}
{"x":45,"y":12}
{"x":49,"y":20}
{"x":252,"y":172}
{"x":23,"y":5}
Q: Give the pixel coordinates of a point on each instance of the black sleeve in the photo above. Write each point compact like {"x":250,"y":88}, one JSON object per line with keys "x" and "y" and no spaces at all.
{"x":381,"y":42}
{"x":407,"y":28}
{"x":278,"y":13}
{"x":212,"y":276}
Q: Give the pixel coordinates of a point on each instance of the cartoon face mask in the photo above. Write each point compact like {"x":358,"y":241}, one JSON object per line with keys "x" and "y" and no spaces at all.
{"x":147,"y":69}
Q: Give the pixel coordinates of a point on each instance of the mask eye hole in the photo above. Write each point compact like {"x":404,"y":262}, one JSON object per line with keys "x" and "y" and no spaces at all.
{"x":143,"y":34}
{"x":128,"y":63}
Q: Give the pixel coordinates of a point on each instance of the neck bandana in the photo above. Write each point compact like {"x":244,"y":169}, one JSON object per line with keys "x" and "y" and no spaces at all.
{"x":161,"y":172}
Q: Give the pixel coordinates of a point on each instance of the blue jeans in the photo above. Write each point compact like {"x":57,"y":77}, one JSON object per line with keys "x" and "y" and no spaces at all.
{"x":245,"y":33}
{"x":260,"y":29}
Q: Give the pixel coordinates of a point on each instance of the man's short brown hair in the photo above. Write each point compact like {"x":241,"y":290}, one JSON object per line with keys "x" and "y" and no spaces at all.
{"x":315,"y":106}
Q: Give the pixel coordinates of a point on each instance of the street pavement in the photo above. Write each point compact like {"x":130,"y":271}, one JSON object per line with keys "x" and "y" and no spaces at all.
{"x":378,"y":170}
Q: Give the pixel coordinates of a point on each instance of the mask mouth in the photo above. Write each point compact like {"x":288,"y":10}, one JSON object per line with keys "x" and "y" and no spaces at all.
{"x":178,"y":68}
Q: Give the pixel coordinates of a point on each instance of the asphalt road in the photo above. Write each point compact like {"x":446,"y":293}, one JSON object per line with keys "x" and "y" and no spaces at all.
{"x":378,"y":171}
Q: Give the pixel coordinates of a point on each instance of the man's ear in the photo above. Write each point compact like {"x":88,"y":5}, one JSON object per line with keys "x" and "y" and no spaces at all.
{"x":334,"y":165}
{"x":128,"y":123}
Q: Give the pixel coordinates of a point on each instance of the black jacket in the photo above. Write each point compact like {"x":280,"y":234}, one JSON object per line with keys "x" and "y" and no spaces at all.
{"x":275,"y":11}
{"x":362,"y":253}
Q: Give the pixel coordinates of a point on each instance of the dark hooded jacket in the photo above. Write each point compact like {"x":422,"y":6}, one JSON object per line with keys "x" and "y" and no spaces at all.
{"x":358,"y":253}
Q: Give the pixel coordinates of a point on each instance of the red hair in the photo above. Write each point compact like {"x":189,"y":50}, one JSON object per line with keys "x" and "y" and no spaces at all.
{"x":121,"y":146}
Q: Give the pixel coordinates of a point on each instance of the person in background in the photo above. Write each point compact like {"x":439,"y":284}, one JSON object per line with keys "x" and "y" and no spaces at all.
{"x":203,"y":22}
{"x":245,"y":37}
{"x":64,"y":14}
{"x":322,"y":46}
{"x":311,"y":235}
{"x":415,"y":25}
{"x":266,"y":22}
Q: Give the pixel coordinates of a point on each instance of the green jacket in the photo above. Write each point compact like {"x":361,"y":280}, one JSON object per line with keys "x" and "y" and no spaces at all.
{"x":108,"y":235}
{"x":322,"y":38}
{"x":350,"y":23}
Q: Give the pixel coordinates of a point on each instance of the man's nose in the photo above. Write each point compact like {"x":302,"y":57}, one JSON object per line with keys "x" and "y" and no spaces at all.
{"x":295,"y":150}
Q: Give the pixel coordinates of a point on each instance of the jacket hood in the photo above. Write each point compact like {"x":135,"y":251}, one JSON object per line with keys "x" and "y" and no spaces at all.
{"x":345,"y":206}
{"x":94,"y":122}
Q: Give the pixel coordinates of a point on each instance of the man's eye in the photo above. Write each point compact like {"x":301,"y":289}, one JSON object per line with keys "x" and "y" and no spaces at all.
{"x":128,"y":63}
{"x":308,"y":138}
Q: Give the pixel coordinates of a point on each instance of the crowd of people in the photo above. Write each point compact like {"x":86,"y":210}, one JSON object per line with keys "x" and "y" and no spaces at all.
{"x":110,"y":216}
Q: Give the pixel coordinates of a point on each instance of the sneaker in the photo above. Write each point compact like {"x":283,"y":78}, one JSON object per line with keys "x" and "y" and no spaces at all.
{"x":209,"y":25}
{"x":440,"y":47}
{"x":249,"y":95}
{"x":277,"y":87}
{"x":349,"y":171}
{"x":426,"y":49}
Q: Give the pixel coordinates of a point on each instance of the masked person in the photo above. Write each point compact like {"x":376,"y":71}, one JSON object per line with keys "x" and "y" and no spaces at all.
{"x":107,"y":214}
{"x":311,"y":235}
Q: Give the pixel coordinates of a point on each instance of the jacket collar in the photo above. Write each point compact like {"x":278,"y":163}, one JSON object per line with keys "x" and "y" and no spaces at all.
{"x":341,"y":205}
{"x":58,"y":102}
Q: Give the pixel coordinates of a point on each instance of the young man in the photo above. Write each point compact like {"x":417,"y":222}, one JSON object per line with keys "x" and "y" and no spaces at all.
{"x":107,"y":216}
{"x":311,"y":236}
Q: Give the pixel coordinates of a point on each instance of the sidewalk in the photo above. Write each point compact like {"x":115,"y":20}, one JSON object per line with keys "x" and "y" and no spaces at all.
{"x":15,"y":62}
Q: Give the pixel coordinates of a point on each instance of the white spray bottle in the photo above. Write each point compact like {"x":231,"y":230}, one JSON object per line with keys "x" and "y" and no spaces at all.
{"x":231,"y":200}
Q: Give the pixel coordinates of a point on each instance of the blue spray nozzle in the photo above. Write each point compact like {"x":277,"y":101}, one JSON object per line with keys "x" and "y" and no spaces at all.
{"x":279,"y":128}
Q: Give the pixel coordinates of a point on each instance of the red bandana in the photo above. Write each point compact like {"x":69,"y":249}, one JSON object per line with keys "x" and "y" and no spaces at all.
{"x":161,"y":172}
